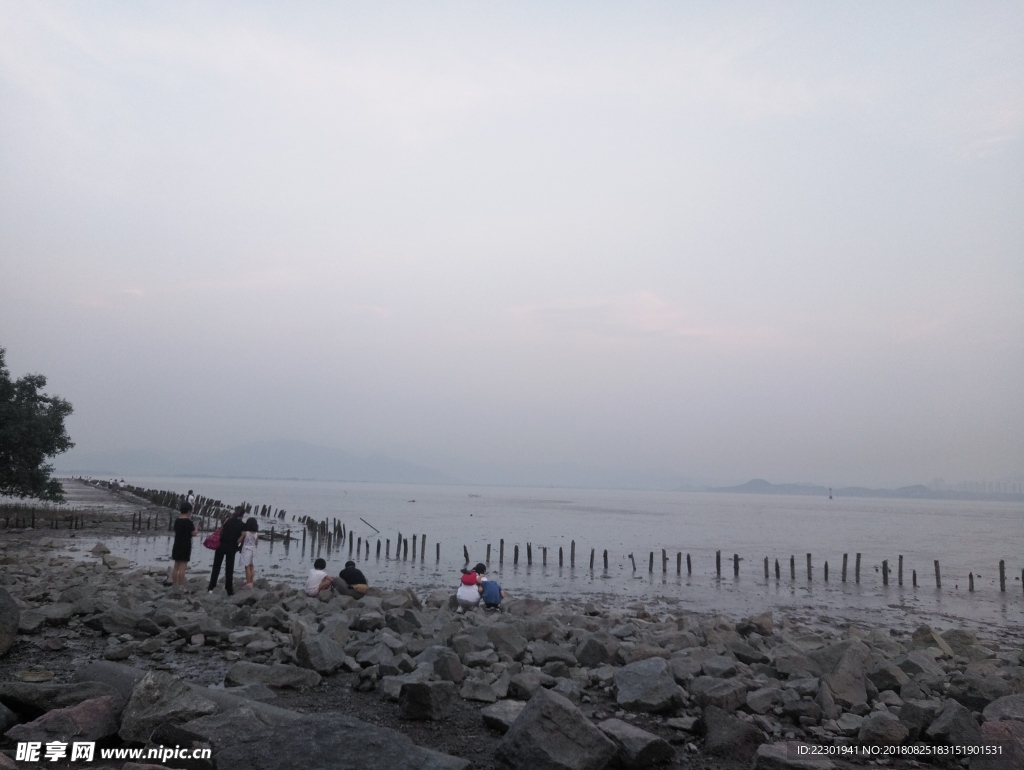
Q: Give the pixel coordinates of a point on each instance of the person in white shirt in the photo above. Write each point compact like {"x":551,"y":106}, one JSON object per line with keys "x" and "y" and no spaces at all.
{"x":318,"y":579}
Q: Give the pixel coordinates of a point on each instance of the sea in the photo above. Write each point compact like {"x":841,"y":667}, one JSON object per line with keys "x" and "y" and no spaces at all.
{"x":688,"y":527}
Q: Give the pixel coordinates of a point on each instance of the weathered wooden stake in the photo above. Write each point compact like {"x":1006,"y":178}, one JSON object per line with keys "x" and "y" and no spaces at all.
{"x":689,"y":565}
{"x":529,"y":554}
{"x":778,"y":571}
{"x":544,"y":555}
{"x":414,"y":547}
{"x":664,"y":561}
{"x":633,"y":561}
{"x":844,"y":566}
{"x":735,"y":565}
{"x":766,"y":573}
{"x":938,"y":575}
{"x":488,"y":553}
{"x":899,"y":572}
{"x":1002,"y":576}
{"x":387,"y":548}
{"x":808,"y":568}
{"x":572,"y":554}
{"x":606,"y":559}
{"x":591,"y":559}
{"x":718,"y":564}
{"x":437,"y":553}
{"x":792,"y":567}
{"x":856,"y":569}
{"x":970,"y":582}
{"x":560,"y":561}
{"x":650,"y":563}
{"x":465,"y":554}
{"x":515,"y":554}
{"x":378,"y":548}
{"x":913,"y":577}
{"x":826,"y":571}
{"x":885,"y":572}
{"x":501,"y":551}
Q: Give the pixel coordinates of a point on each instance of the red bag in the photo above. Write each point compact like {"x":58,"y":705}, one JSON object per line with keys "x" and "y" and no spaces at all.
{"x":213,"y":541}
{"x":469,"y":579}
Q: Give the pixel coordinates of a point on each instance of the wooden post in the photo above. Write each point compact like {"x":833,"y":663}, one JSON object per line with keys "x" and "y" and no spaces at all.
{"x":544,"y":555}
{"x":633,"y":561}
{"x":778,"y":571}
{"x":488,"y":553}
{"x":938,"y":575}
{"x":718,"y":564}
{"x":735,"y":565}
{"x":679,"y":562}
{"x":529,"y":554}
{"x":560,"y":557}
{"x":606,"y":559}
{"x":792,"y":567}
{"x":899,"y":572}
{"x":572,"y":554}
{"x":664,"y":561}
{"x":689,"y":566}
{"x":387,"y":548}
{"x":826,"y":570}
{"x":465,"y":553}
{"x":591,"y":559}
{"x":414,"y":547}
{"x":650,"y":563}
{"x":359,"y":546}
{"x":515,"y":554}
{"x":378,"y":547}
{"x":808,"y":568}
{"x":367,"y":547}
{"x":766,"y":573}
{"x":437,"y":553}
{"x":970,"y":582}
{"x":1002,"y":576}
{"x":501,"y":551}
{"x":844,"y":566}
{"x":856,"y":569}
{"x":913,"y":577}
{"x":885,"y":572}
{"x":423,"y":546}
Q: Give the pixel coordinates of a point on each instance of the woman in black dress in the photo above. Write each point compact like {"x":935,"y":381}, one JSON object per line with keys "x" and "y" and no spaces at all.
{"x":181,"y":551}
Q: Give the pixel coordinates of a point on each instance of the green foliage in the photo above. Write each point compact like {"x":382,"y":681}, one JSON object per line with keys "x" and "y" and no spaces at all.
{"x":31,"y":430}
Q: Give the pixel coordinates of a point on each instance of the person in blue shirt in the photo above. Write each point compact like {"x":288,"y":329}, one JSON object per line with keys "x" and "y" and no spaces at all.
{"x":491,"y":594}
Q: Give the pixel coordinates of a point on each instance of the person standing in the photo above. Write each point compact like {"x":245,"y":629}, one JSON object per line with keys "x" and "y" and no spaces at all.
{"x":230,"y":538}
{"x":181,"y":550}
{"x":249,"y":540}
{"x":190,"y":499}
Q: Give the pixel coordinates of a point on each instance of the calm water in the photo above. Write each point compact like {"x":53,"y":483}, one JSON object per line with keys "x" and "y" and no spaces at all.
{"x":965,"y":537}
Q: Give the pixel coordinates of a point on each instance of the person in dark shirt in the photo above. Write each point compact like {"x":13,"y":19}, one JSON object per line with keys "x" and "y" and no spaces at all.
{"x":353,"y":581}
{"x":230,"y":536}
{"x":181,"y":550}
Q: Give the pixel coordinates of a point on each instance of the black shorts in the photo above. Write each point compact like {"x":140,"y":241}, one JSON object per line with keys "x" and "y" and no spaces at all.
{"x":181,"y":553}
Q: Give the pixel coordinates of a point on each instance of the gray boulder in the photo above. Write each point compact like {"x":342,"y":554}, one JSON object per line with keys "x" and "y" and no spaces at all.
{"x":160,"y":698}
{"x":636,"y":748}
{"x":1007,"y":707}
{"x":320,"y":653}
{"x":921,"y":665}
{"x":507,"y":640}
{"x":596,"y":650}
{"x":524,"y":685}
{"x":445,"y":663}
{"x":647,"y":685}
{"x":36,"y":699}
{"x":916,"y":715}
{"x":10,"y":617}
{"x":502,"y":714}
{"x":334,"y":740}
{"x":115,"y":621}
{"x":91,"y":720}
{"x":789,"y":756}
{"x":976,"y":691}
{"x":887,"y":676}
{"x":882,"y":729}
{"x":552,"y":734}
{"x":426,"y":700}
{"x":954,"y":726}
{"x":728,"y":736}
{"x":278,"y":675}
{"x":726,"y":694}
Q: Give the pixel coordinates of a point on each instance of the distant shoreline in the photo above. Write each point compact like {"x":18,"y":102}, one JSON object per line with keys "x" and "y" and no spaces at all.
{"x":915,"y":492}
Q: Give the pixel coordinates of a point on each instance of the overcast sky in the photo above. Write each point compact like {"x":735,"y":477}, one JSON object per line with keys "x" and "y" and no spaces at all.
{"x":713,"y":240}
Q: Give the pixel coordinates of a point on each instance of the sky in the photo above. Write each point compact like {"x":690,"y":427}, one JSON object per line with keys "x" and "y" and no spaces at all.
{"x":708,"y":240}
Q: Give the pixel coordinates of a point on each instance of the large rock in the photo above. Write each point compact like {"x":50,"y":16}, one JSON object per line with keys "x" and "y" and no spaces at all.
{"x":1007,"y":707}
{"x":954,"y":726}
{"x":960,"y":641}
{"x":1009,"y":735}
{"x":596,"y":650}
{"x":119,"y":676}
{"x":160,"y":698}
{"x":507,"y":640}
{"x":729,"y":736}
{"x":920,"y":665}
{"x":426,"y":700}
{"x":882,"y":729}
{"x":503,"y":714}
{"x":320,"y":653}
{"x":279,"y":675}
{"x":552,"y":734}
{"x":115,"y":621}
{"x":444,"y":661}
{"x":976,"y":691}
{"x":92,"y":720}
{"x":647,"y":685}
{"x":925,"y":637}
{"x":636,"y":748}
{"x":331,"y":740}
{"x":726,"y":694}
{"x":847,"y":678}
{"x":35,"y":699}
{"x":10,"y":616}
{"x":887,"y":676}
{"x":790,"y":755}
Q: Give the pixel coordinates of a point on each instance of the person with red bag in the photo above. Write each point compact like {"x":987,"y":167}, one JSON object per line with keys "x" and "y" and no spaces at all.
{"x":230,"y":536}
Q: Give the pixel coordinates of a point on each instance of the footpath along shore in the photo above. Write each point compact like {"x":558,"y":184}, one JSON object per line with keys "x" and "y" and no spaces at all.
{"x":93,"y":650}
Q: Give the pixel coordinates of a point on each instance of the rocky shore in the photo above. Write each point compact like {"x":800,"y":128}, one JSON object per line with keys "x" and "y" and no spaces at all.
{"x":94,"y":650}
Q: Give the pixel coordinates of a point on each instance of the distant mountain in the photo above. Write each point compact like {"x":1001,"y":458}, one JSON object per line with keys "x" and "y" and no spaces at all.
{"x":262,"y":459}
{"x":916,"y":491}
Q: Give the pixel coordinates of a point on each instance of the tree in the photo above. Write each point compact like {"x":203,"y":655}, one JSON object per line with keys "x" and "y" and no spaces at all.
{"x":31,"y":430}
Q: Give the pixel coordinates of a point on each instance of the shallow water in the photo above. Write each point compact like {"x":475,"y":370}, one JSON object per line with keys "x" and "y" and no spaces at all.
{"x":964,"y":536}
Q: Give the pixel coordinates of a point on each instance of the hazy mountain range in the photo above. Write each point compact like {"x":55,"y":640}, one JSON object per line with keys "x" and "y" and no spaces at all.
{"x":916,"y":491}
